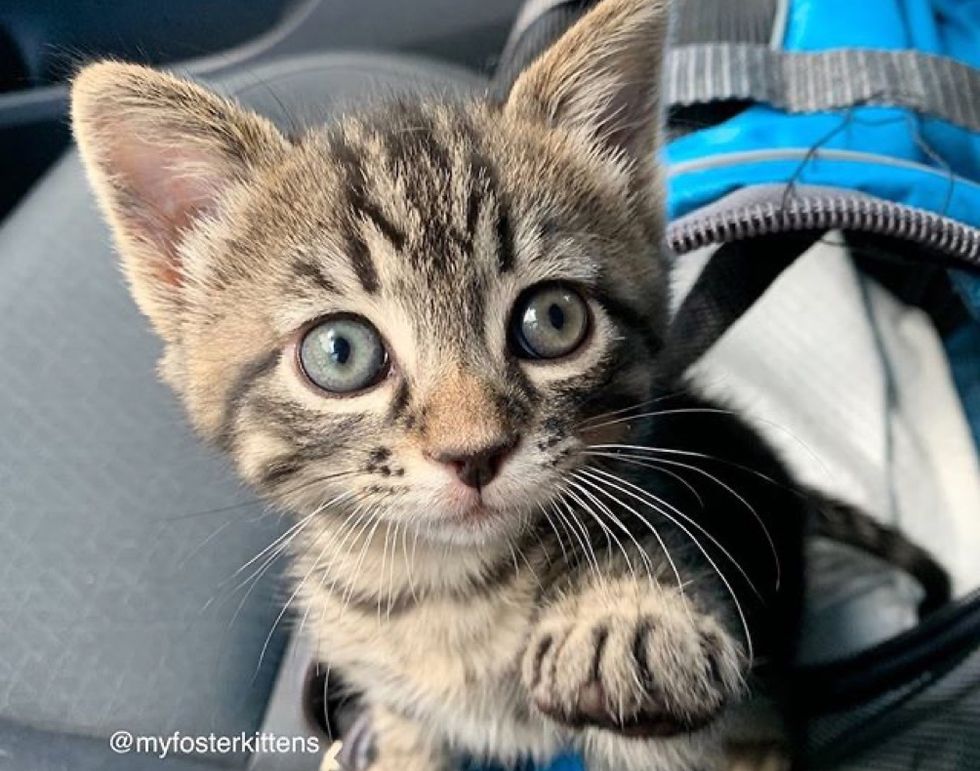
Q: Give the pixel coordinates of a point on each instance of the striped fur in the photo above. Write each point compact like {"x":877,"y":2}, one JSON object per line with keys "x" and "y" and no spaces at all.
{"x":548,"y":616}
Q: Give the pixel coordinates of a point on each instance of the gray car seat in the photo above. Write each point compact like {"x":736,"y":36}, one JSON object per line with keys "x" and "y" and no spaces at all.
{"x":124,"y":603}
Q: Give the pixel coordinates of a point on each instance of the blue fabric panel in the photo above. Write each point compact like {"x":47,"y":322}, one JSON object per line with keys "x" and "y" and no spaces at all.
{"x":885,"y":132}
{"x":814,"y":25}
{"x":887,"y":176}
{"x":969,"y":289}
{"x":944,"y":154}
{"x":567,"y":762}
{"x":958,"y":28}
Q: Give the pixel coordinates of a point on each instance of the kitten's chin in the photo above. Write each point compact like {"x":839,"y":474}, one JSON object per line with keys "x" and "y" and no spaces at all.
{"x":475,"y":524}
{"x":500,"y":513}
{"x":478,"y":537}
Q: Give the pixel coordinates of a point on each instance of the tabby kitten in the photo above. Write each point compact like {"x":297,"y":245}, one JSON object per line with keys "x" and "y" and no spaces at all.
{"x":431,"y":331}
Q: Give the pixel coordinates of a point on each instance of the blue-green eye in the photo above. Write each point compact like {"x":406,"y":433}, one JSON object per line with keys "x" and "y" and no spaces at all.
{"x":343,"y":354}
{"x":549,"y":321}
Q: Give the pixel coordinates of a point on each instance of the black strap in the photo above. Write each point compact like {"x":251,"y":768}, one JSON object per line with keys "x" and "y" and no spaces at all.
{"x":532,"y":41}
{"x":924,"y":653}
{"x":736,"y":275}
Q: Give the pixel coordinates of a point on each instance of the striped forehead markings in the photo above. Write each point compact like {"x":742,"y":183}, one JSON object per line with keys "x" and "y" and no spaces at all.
{"x":305,"y":269}
{"x":484,"y":186}
{"x":428,"y":154}
{"x":362,"y":209}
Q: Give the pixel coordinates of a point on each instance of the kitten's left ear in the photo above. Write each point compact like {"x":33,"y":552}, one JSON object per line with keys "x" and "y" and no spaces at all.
{"x":160,"y":153}
{"x":603,"y":77}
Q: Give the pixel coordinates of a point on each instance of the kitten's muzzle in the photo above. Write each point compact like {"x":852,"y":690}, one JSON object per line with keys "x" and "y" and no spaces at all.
{"x":477,"y":468}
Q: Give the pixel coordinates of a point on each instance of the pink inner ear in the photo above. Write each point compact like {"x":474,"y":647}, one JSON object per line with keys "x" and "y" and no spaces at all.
{"x":167,"y":188}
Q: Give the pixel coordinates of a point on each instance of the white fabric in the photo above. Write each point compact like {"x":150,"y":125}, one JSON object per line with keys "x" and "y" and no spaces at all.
{"x":854,"y":389}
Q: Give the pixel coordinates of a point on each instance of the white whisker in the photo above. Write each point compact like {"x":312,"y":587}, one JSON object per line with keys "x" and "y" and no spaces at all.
{"x":596,"y":484}
{"x":610,"y":536}
{"x":720,"y":411}
{"x":657,"y":505}
{"x":551,"y":524}
{"x":391,"y":570}
{"x":289,"y":536}
{"x":587,"y":423}
{"x":650,"y":464}
{"x":377,"y":518}
{"x":731,"y":491}
{"x":408,"y":563}
{"x":693,"y":454}
{"x":580,"y":485}
{"x":347,"y":527}
{"x":587,"y":550}
{"x":283,"y":611}
{"x":673,"y":510}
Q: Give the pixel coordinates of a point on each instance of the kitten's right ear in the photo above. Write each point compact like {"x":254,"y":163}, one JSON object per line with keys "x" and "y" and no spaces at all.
{"x":160,"y":152}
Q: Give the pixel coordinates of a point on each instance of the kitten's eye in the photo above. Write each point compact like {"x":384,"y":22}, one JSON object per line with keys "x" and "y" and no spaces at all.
{"x":549,"y":321}
{"x":343,"y":354}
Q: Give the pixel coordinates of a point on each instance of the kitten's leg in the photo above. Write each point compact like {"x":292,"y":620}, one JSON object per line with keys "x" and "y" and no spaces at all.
{"x":401,"y":744}
{"x":638,"y":659}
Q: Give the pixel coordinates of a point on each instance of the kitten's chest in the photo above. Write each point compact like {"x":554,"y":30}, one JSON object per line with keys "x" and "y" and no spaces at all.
{"x":448,"y":664}
{"x":438,"y":645}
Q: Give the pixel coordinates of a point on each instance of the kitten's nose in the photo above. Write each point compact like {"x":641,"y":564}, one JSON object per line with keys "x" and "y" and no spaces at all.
{"x":476,"y":469}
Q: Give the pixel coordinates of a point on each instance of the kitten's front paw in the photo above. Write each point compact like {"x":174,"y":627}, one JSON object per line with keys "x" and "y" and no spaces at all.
{"x":640,"y":662}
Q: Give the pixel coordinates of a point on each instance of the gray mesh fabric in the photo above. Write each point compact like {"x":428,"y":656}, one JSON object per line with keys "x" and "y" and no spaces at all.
{"x":120,"y":606}
{"x":927,"y":719}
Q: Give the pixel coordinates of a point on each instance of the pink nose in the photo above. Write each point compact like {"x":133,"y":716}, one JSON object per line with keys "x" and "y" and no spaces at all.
{"x":478,"y":468}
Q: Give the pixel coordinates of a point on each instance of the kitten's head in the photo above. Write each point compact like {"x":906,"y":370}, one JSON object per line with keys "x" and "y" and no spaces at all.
{"x":412,"y":312}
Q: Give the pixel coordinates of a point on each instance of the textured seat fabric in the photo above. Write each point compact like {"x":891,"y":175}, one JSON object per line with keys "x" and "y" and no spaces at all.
{"x":123,"y":604}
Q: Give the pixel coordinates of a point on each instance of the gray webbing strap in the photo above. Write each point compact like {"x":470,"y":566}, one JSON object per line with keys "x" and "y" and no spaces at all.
{"x":541,"y":22}
{"x":730,"y":21}
{"x":826,"y":80}
{"x":694,"y":21}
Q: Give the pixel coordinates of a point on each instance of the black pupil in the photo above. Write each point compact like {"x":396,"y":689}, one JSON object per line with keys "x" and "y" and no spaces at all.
{"x":340,"y":349}
{"x":556,"y":316}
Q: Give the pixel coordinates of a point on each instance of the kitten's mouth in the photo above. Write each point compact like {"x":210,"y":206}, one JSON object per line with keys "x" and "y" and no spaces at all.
{"x":473,"y":510}
{"x":486,"y":509}
{"x":473,"y":516}
{"x":477,"y":512}
{"x":470,"y":506}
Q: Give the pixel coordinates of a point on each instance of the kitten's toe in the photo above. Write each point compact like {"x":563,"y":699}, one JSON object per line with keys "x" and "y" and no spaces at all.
{"x":641,"y":674}
{"x":594,"y":708}
{"x":688,"y":668}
